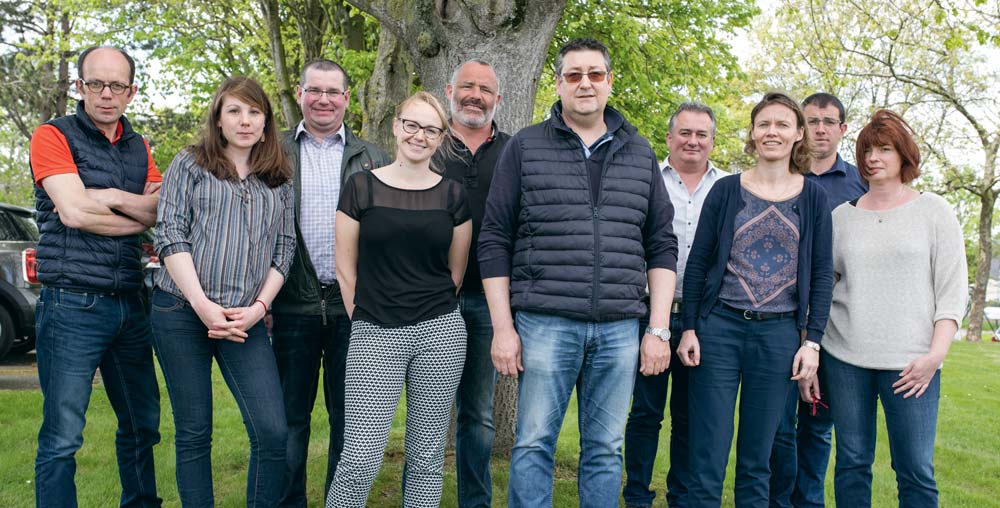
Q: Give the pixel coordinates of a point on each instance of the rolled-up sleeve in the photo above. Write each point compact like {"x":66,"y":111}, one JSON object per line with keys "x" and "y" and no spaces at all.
{"x":284,"y":246}
{"x":659,"y":240}
{"x":173,"y":214}
{"x":496,"y":238}
{"x":949,"y":268}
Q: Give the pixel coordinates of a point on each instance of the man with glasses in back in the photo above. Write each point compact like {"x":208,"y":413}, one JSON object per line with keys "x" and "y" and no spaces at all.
{"x":96,"y":191}
{"x":801,"y":454}
{"x":577,"y":220}
{"x":310,"y":324}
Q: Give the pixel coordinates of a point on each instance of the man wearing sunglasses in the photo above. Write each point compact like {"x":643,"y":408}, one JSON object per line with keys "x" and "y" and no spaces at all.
{"x":96,"y":190}
{"x":310,"y":324}
{"x":577,"y":221}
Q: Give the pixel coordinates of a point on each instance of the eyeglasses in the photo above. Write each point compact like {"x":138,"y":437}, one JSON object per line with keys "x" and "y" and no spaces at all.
{"x":318,"y":93}
{"x":97,"y":86}
{"x":594,"y":76}
{"x":828,"y":122}
{"x":411,"y":127}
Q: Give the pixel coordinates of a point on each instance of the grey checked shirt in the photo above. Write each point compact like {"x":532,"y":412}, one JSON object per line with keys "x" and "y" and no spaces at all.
{"x":235,"y":230}
{"x":320,"y":163}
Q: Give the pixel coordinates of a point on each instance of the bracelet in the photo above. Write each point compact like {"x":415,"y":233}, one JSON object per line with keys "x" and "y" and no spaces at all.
{"x":266,"y":310}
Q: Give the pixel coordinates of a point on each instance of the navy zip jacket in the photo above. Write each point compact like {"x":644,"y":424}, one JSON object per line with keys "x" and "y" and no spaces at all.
{"x":567,"y":253}
{"x":713,"y":242}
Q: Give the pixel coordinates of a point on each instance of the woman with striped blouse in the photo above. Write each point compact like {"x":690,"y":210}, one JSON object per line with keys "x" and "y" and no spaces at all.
{"x":225,"y":233}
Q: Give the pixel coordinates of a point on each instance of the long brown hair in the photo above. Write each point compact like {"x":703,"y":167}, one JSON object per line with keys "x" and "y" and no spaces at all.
{"x":801,"y":156}
{"x":267,"y":159}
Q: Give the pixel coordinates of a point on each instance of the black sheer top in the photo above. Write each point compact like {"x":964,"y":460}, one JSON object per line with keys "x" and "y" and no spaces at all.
{"x":405,"y":235}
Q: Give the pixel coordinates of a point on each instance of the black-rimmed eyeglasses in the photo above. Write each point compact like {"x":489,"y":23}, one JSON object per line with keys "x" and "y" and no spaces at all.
{"x":98,"y":86}
{"x":411,"y":127}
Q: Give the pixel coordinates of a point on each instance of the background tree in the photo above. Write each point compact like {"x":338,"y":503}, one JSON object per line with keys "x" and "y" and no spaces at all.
{"x":930,"y":61}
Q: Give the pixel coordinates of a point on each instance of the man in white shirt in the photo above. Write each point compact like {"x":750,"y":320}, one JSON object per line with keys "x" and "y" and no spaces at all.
{"x":688,"y":176}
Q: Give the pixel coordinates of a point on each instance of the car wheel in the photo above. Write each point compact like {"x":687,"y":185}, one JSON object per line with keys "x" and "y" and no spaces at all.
{"x":7,"y":332}
{"x":19,"y":348}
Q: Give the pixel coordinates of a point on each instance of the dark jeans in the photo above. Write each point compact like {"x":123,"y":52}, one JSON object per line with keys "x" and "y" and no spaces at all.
{"x":474,"y":404}
{"x":185,"y":353}
{"x":300,"y":344}
{"x":801,"y":455}
{"x":77,"y":333}
{"x":910,"y":423}
{"x":754,"y":359}
{"x":642,"y":432}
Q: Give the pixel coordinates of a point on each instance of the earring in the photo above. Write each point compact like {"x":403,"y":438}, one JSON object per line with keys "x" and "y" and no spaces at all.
{"x":261,"y":139}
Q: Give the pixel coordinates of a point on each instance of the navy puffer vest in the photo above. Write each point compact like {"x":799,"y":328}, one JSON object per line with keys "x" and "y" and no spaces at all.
{"x":573,"y":257}
{"x":72,"y":258}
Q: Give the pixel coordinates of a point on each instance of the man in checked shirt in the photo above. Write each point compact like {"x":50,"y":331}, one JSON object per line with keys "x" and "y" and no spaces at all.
{"x":309,"y":320}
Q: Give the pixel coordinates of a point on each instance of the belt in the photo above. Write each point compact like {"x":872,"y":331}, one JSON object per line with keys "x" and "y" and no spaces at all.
{"x":676,"y":307}
{"x":755,"y":315}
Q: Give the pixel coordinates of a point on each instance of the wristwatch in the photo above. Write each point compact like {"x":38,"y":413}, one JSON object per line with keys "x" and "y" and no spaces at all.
{"x":660,"y":333}
{"x":811,"y":345}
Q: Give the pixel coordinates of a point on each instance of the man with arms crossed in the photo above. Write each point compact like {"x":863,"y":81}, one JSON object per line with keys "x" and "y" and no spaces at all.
{"x":688,"y":176}
{"x":475,"y":145}
{"x":800,"y":456}
{"x":576,"y":219}
{"x":309,"y":321}
{"x":95,"y":191}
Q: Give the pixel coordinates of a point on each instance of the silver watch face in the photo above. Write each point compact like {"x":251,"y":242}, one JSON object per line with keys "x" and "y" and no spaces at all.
{"x":662,"y":333}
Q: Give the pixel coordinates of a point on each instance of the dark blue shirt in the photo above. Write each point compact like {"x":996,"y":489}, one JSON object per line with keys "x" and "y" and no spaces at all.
{"x":842,"y":182}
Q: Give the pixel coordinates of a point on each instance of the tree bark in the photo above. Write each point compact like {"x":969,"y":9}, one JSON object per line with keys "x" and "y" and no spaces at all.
{"x":513,"y":36}
{"x":286,"y":98}
{"x":388,"y":86}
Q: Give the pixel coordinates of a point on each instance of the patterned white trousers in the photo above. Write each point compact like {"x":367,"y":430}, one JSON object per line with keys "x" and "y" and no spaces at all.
{"x":428,"y":357}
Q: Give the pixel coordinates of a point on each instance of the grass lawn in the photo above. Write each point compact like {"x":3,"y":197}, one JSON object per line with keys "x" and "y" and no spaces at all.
{"x":967,"y":454}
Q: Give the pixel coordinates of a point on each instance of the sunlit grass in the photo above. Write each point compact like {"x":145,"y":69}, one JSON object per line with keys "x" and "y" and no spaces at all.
{"x":967,"y":453}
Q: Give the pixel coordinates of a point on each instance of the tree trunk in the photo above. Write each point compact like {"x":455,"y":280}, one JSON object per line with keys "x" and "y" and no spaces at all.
{"x":350,"y":29}
{"x":388,"y":86}
{"x":513,"y":36}
{"x":311,"y":20}
{"x":286,"y":98}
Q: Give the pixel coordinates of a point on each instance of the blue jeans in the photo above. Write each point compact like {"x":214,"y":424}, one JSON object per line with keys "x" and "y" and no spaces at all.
{"x":854,"y":394}
{"x":474,"y":403}
{"x":752,"y":358}
{"x":801,"y":455}
{"x":300,"y":344}
{"x":76,"y":334}
{"x":642,"y":432}
{"x":600,"y":360}
{"x":185,"y":353}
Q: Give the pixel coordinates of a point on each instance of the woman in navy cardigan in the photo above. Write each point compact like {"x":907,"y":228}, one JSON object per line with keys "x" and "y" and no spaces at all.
{"x":757,"y":292}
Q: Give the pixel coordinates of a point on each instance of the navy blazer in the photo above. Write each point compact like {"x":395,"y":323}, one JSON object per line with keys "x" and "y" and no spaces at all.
{"x":713,"y":242}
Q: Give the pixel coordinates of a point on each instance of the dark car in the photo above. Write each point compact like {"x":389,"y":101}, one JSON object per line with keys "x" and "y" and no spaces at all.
{"x":19,"y":286}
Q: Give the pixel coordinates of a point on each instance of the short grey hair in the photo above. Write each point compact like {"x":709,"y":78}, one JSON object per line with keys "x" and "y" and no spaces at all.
{"x":694,"y":107}
{"x":480,"y":61}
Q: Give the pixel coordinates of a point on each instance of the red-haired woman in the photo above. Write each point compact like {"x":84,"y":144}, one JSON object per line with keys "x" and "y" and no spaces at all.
{"x":758,"y":277}
{"x":900,"y":271}
{"x":225,"y":232}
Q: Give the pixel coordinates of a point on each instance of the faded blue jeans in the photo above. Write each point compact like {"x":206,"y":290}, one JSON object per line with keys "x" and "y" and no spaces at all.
{"x":474,"y":404}
{"x":558,"y":354}
{"x":77,"y":333}
{"x":185,"y":353}
{"x":854,"y":394}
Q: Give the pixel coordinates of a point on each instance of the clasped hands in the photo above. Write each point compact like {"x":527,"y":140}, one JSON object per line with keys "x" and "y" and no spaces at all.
{"x":229,"y":324}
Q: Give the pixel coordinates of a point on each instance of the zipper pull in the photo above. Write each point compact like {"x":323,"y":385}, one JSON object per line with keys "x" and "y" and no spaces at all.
{"x":322,"y":306}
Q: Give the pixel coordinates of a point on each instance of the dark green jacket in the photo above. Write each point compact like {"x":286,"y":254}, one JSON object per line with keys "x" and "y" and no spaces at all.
{"x":302,"y":293}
